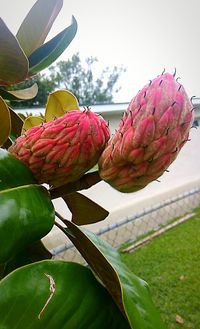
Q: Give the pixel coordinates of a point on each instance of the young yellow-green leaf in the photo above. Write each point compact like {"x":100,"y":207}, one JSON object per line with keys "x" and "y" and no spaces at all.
{"x":30,"y":122}
{"x":5,"y":123}
{"x":13,"y":62}
{"x":37,"y":24}
{"x":56,"y":295}
{"x":84,"y":211}
{"x":60,"y":102}
{"x":129,"y":292}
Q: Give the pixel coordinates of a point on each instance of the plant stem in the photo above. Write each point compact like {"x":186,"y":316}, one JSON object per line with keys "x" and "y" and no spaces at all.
{"x":65,"y":229}
{"x":60,"y":227}
{"x":83,"y":183}
{"x":60,"y":217}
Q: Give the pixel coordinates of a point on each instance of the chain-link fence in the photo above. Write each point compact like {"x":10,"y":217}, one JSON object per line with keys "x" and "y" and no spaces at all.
{"x":144,"y":222}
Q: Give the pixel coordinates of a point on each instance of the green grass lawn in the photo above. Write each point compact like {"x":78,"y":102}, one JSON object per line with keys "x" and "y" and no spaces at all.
{"x":171,"y":266}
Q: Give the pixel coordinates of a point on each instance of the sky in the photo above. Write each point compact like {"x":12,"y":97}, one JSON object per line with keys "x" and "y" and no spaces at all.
{"x":145,"y":36}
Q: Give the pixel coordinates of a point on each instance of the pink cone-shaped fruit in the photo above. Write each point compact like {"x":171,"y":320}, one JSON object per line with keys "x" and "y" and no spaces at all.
{"x":152,"y":131}
{"x":62,"y":150}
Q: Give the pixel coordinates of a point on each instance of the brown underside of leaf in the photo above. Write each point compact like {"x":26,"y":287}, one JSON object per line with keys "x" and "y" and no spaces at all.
{"x":84,"y":210}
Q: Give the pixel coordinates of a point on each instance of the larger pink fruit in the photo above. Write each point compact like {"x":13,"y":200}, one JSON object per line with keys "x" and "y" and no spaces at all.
{"x":62,"y":150}
{"x":152,"y":131}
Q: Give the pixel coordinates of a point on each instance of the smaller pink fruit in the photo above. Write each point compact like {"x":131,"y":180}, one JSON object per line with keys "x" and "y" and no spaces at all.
{"x":62,"y":150}
{"x":152,"y":131}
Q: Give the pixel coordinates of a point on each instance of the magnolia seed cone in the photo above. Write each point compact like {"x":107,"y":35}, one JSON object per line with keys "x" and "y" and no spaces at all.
{"x":62,"y":150}
{"x":151,"y":133}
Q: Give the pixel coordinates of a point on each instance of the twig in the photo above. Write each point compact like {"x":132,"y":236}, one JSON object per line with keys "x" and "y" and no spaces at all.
{"x":60,"y":217}
{"x":60,"y":227}
{"x":83,"y":183}
{"x":65,"y":229}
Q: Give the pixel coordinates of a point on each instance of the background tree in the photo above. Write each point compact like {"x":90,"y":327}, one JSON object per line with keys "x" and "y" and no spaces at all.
{"x":79,"y":78}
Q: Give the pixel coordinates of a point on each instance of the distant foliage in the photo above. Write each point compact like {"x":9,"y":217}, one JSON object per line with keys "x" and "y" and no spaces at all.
{"x":77,"y":77}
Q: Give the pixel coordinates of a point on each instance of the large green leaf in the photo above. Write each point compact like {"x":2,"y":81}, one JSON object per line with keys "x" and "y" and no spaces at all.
{"x":130,"y":293}
{"x":51,"y":50}
{"x":13,"y":172}
{"x":56,"y":295}
{"x":33,"y":253}
{"x":37,"y":24}
{"x":84,"y":210}
{"x":23,"y":94}
{"x":26,"y":215}
{"x":5,"y":123}
{"x":13,"y":62}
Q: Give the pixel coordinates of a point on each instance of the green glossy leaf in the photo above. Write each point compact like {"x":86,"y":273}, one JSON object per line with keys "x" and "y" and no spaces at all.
{"x":58,"y":103}
{"x":37,"y":24}
{"x":13,"y":172}
{"x":56,"y":295}
{"x":5,"y":123}
{"x":16,"y":123}
{"x":84,"y":210}
{"x":26,"y":215}
{"x":31,"y":254}
{"x":30,"y":122}
{"x":51,"y":50}
{"x":2,"y":269}
{"x":37,"y":251}
{"x":130,"y":293}
{"x":20,"y":259}
{"x":13,"y":62}
{"x":22,"y":94}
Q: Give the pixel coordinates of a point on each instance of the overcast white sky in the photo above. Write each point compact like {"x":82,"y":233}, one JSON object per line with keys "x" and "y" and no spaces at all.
{"x":145,"y":36}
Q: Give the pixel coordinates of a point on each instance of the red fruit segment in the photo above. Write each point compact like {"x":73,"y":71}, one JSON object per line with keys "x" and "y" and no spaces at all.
{"x":62,"y":150}
{"x":152,"y":131}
